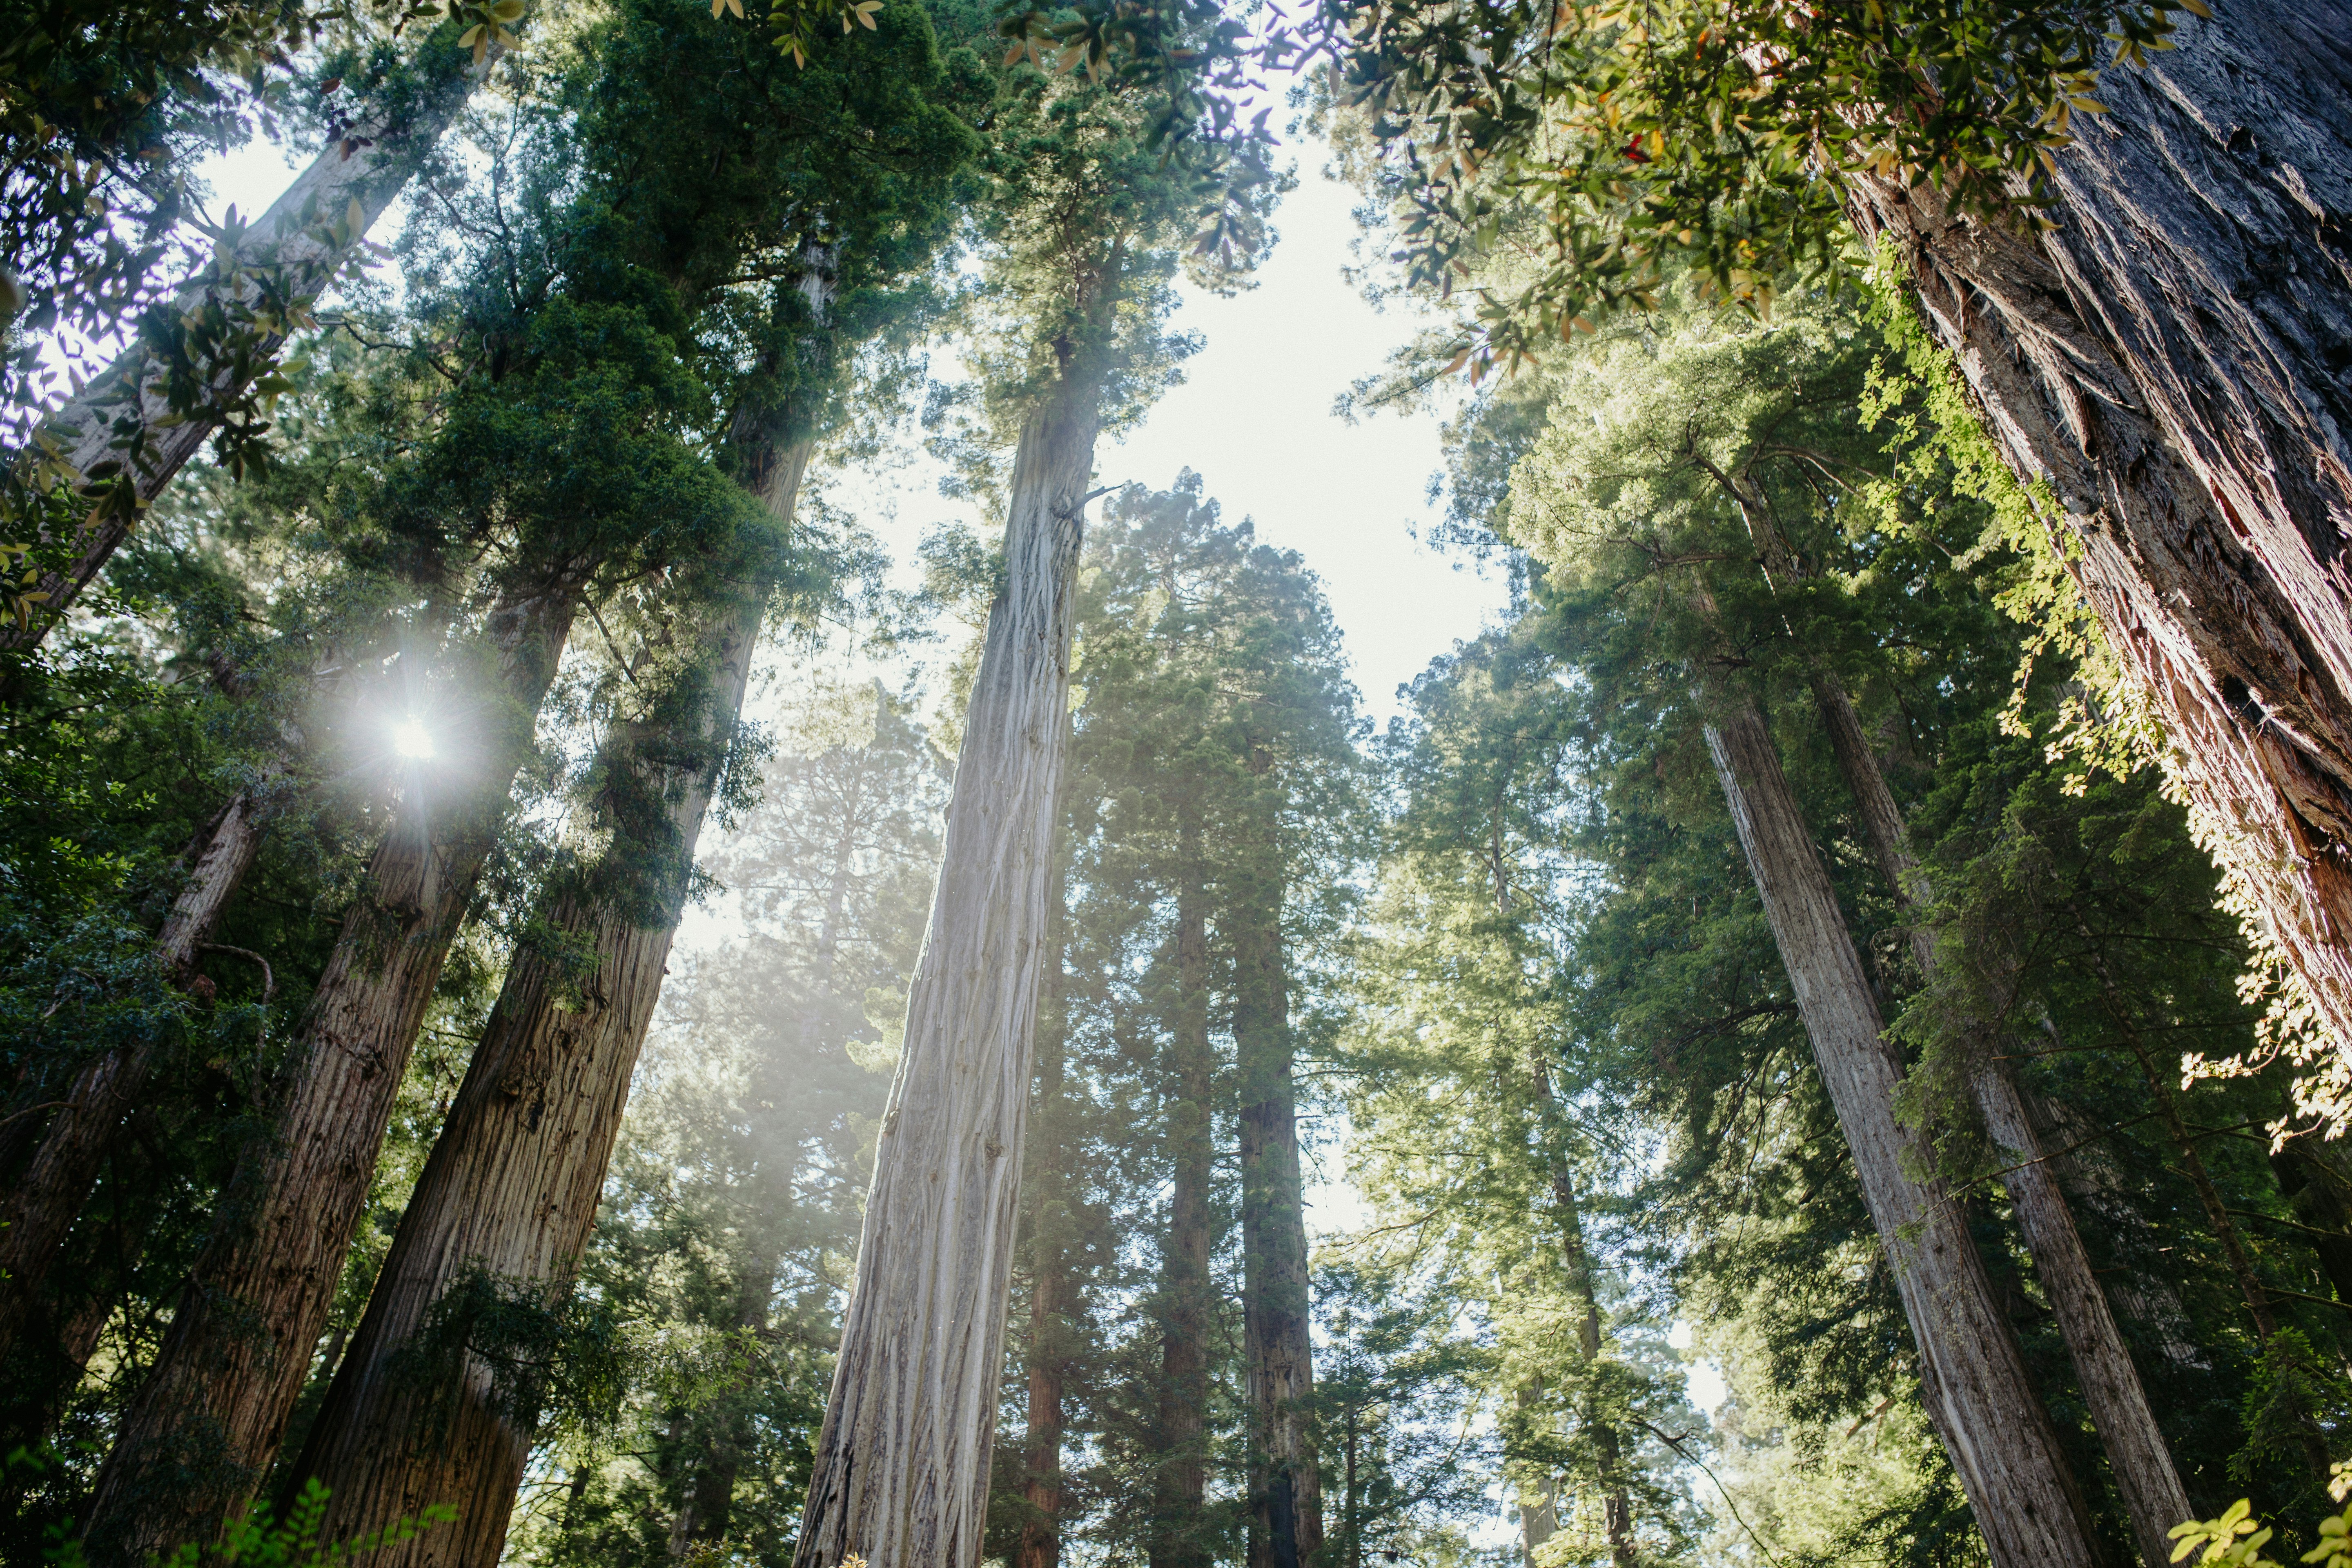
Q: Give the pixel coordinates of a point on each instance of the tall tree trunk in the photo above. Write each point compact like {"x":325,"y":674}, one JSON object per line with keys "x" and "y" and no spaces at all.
{"x":2153,"y":1497}
{"x":1179,"y":1539}
{"x":1608,"y":1443}
{"x":1286,"y":1500}
{"x":511,"y":1186}
{"x":512,"y":1183}
{"x":901,"y":1471}
{"x":1972,"y":1378}
{"x":41,"y":1207}
{"x":1040,"y":1542}
{"x":298,"y":246}
{"x":2168,"y":361}
{"x":207,"y":1421}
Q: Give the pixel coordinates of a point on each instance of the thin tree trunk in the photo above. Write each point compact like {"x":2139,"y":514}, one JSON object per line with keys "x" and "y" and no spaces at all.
{"x":1608,"y":1444}
{"x":1179,"y":1539}
{"x":900,"y":1473}
{"x":1040,"y":1542}
{"x":205,"y":1424}
{"x":1972,"y":1378}
{"x":1285,"y":1490}
{"x":2168,"y":361}
{"x":299,"y":244}
{"x":40,"y":1208}
{"x":512,"y":1183}
{"x":2153,"y":1497}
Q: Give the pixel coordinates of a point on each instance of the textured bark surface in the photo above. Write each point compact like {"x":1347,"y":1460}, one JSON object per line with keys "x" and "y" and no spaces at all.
{"x":1040,"y":1541}
{"x":1286,"y":1494}
{"x":206,"y":1423}
{"x":2172,"y":361}
{"x":41,"y":1205}
{"x":2137,"y":1455}
{"x":369,"y":166}
{"x":512,"y":1183}
{"x":1972,"y":1379}
{"x":1178,"y":1538}
{"x":1054,"y":1286}
{"x":900,"y":1474}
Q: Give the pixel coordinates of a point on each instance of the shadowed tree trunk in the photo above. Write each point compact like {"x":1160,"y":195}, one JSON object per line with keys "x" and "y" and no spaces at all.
{"x":1972,"y":1378}
{"x":2169,"y":360}
{"x":43,"y":1203}
{"x":1286,"y":1498}
{"x":206,"y":1423}
{"x":1178,"y":1539}
{"x":296,"y":248}
{"x":901,"y":1473}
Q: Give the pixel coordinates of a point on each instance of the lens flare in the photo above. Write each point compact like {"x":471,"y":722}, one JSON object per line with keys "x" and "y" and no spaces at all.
{"x":411,"y":738}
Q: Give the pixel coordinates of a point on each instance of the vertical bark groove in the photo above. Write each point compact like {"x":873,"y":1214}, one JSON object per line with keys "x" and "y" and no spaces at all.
{"x":205,"y":1424}
{"x":2169,"y":362}
{"x":900,"y":1473}
{"x":1972,"y":1378}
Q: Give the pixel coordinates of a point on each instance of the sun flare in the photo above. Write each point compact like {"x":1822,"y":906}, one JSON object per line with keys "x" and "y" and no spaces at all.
{"x":411,"y":738}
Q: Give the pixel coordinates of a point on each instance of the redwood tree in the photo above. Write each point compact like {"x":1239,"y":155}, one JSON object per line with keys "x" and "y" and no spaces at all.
{"x":1083,"y":220}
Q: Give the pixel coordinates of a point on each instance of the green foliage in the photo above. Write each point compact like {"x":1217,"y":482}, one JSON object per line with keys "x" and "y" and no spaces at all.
{"x":255,"y":1540}
{"x":1570,"y":159}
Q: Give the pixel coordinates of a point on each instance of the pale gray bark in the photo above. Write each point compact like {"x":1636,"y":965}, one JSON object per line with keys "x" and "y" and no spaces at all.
{"x":2169,"y":362}
{"x":901,"y":1475}
{"x":298,"y":246}
{"x":2137,"y":1454}
{"x":1972,"y":1379}
{"x":205,"y":1424}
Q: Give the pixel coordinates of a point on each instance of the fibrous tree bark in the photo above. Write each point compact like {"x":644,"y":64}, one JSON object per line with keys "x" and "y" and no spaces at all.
{"x":2167,"y":364}
{"x":1972,"y":1377}
{"x":205,"y":1424}
{"x":45,"y":1199}
{"x":2137,"y":1456}
{"x":2136,"y":1453}
{"x":1178,"y":1540}
{"x":1054,"y":1287}
{"x":511,"y":1186}
{"x":511,"y":1189}
{"x":1285,"y":1495}
{"x":112,"y":432}
{"x":901,"y":1473}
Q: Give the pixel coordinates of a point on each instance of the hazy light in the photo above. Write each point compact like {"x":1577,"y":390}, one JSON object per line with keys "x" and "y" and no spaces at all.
{"x":410,"y":738}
